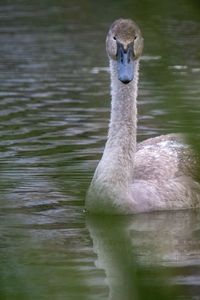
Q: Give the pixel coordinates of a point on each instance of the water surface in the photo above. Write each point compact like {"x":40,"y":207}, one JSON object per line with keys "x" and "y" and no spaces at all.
{"x":54,"y":111}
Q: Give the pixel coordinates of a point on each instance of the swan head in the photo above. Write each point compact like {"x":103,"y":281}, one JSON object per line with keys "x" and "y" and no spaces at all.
{"x":124,"y":44}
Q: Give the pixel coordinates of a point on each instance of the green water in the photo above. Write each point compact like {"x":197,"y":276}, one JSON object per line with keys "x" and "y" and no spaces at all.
{"x":54,"y":111}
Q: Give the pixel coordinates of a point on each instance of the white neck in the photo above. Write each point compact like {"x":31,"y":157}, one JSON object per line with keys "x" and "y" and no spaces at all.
{"x":118,"y":156}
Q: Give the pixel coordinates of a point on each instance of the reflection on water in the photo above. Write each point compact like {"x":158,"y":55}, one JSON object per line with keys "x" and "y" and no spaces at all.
{"x":54,"y":109}
{"x":151,"y":254}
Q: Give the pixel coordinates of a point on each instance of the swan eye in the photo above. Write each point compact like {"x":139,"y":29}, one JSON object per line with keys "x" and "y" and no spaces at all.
{"x":135,"y":37}
{"x":114,"y":38}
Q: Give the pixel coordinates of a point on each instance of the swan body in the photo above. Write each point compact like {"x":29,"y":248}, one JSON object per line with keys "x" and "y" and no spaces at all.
{"x":156,"y":174}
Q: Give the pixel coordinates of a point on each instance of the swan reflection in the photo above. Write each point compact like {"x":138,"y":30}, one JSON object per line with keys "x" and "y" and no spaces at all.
{"x":153,"y":254}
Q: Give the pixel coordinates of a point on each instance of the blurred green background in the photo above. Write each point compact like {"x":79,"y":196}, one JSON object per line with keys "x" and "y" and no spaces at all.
{"x":54,"y":112}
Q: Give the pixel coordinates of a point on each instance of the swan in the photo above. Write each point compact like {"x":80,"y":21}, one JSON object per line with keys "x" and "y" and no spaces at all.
{"x":158,"y":173}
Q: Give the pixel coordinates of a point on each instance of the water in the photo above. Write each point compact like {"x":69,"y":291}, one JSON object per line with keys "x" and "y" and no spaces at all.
{"x":54,"y":110}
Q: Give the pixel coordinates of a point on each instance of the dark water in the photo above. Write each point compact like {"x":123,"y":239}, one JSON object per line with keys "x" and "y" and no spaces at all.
{"x":54,"y":110}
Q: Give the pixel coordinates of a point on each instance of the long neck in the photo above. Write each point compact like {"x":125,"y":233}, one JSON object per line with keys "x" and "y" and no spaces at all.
{"x":120,"y":148}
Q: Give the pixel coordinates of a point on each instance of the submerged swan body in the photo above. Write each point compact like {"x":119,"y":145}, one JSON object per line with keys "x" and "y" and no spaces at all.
{"x":156,"y":174}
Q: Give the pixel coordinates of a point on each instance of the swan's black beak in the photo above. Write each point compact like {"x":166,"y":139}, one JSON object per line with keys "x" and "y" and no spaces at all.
{"x":125,"y":62}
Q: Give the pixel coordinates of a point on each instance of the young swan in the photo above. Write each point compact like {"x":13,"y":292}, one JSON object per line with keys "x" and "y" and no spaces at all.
{"x":158,"y":174}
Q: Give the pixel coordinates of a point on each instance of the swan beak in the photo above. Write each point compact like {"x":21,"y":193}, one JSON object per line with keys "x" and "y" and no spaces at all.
{"x":125,"y":62}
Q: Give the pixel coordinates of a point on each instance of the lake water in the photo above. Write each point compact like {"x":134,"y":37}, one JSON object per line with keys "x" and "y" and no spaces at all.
{"x":54,"y":112}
